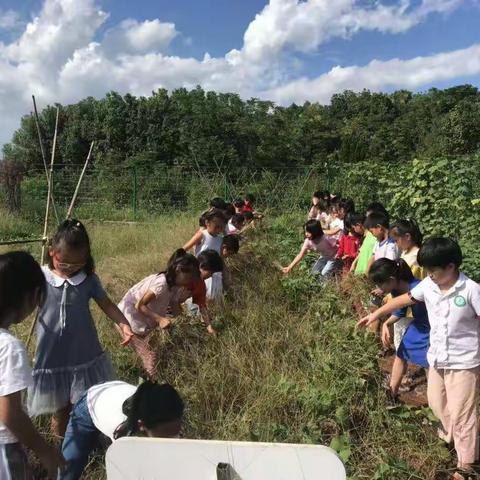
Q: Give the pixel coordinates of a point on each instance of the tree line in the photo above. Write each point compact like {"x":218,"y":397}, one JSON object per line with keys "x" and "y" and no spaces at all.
{"x":223,"y":131}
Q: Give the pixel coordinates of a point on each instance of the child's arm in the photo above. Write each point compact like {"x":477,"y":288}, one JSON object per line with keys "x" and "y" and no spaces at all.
{"x":114,"y":313}
{"x":370,"y":263}
{"x":386,"y":336}
{"x":207,"y":319}
{"x":332,"y":231}
{"x":142,"y":307}
{"x":18,"y":422}
{"x":398,"y":302}
{"x":295,"y":261}
{"x":341,"y":248}
{"x":354,"y":264}
{"x":195,"y":240}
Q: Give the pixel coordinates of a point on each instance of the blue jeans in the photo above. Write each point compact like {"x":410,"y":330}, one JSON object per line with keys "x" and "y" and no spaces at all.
{"x":80,"y":439}
{"x":323,"y":267}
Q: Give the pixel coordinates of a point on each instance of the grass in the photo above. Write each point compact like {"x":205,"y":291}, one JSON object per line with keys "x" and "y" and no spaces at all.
{"x":289,"y":365}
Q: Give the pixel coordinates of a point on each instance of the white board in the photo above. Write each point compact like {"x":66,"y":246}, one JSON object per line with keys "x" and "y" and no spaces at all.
{"x":166,"y":459}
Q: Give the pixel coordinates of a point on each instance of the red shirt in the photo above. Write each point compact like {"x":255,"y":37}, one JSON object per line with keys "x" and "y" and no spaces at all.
{"x":349,"y":245}
{"x":248,"y":207}
{"x":199,"y":292}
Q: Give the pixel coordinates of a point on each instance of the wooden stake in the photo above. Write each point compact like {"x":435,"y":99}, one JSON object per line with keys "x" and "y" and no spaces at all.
{"x":40,"y":140}
{"x":47,"y":214}
{"x":74,"y":198}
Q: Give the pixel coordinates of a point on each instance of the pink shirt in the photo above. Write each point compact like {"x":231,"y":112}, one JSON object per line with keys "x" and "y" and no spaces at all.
{"x":321,"y":246}
{"x":164,"y":296}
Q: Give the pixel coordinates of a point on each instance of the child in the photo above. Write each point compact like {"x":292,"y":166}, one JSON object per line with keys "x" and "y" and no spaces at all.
{"x":337,"y":226}
{"x":323,"y":216}
{"x":365,"y":253}
{"x":22,"y":289}
{"x":248,"y":205}
{"x":69,"y":357}
{"x":453,"y":306}
{"x":218,"y":203}
{"x":408,"y":237}
{"x":116,"y":410}
{"x":349,"y":242}
{"x":239,"y":205}
{"x":146,"y":304}
{"x":396,"y":278}
{"x":314,"y":210}
{"x":315,"y":241}
{"x":385,"y":247}
{"x":235,"y":224}
{"x":230,"y":245}
{"x":210,"y":237}
{"x":211,"y":270}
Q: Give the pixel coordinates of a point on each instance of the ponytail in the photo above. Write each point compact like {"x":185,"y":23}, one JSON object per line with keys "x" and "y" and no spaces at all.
{"x":153,"y":404}
{"x":383,"y":269}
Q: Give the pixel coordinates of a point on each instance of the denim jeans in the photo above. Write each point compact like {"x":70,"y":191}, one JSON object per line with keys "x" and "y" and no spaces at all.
{"x":80,"y":439}
{"x":323,"y":266}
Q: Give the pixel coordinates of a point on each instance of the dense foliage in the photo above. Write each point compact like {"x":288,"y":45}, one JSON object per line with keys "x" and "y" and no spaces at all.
{"x":220,"y":130}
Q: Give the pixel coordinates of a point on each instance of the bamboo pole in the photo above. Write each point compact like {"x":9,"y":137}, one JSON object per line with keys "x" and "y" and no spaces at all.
{"x":74,"y":198}
{"x":16,"y":242}
{"x":40,"y":141}
{"x":47,"y":214}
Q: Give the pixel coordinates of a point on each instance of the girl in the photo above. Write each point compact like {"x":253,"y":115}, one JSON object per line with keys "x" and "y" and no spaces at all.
{"x":315,"y":241}
{"x":337,"y":225}
{"x":22,"y":289}
{"x":69,"y":357}
{"x":146,"y":304}
{"x":235,"y":224}
{"x":323,"y":216}
{"x":349,"y":242}
{"x":314,"y":210}
{"x":396,"y":278}
{"x":408,"y":237}
{"x":116,"y":410}
{"x":210,"y":237}
{"x":212,"y":272}
{"x":453,"y":305}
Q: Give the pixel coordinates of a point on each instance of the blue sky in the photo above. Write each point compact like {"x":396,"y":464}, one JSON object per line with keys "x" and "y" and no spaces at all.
{"x":283,"y":50}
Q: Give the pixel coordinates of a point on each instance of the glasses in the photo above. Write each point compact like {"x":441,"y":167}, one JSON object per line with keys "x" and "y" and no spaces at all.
{"x":68,"y":266}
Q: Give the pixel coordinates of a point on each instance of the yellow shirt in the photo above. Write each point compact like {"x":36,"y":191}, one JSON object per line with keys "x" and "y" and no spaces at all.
{"x":410,"y":257}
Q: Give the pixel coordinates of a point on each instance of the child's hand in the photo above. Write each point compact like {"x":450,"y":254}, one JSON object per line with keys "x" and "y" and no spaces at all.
{"x":211,"y":330}
{"x":163,"y":322}
{"x":366,"y":321}
{"x":386,"y":336}
{"x":377,"y":292}
{"x":126,"y":333}
{"x":53,"y":461}
{"x":286,"y":270}
{"x":345,"y":257}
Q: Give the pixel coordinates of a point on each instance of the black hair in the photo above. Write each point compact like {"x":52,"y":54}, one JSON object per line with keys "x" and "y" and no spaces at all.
{"x":153,"y":404}
{"x":347,"y":204}
{"x":322,"y":205}
{"x":355,"y":219}
{"x":377,"y":207}
{"x":248,"y":215}
{"x":439,"y":252}
{"x":238,"y":220}
{"x":239,"y":203}
{"x":211,"y":261}
{"x":231,"y":243}
{"x":411,"y":227}
{"x":326,"y":195}
{"x":384,"y":268}
{"x":218,"y":202}
{"x":318,"y":194}
{"x":20,"y":277}
{"x":314,"y":227}
{"x":229,"y":211}
{"x":250,"y":197}
{"x":375,"y":219}
{"x":183,"y":262}
{"x":215,"y":213}
{"x":73,"y":234}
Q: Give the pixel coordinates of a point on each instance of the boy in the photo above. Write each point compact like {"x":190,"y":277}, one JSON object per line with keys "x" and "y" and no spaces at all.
{"x":453,"y":306}
{"x":385,"y":247}
{"x":230,"y":245}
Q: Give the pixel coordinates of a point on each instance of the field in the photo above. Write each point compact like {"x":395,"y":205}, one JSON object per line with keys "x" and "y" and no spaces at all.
{"x":289,"y":365}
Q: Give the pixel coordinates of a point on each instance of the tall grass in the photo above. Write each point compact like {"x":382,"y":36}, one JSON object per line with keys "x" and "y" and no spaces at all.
{"x":289,"y":365}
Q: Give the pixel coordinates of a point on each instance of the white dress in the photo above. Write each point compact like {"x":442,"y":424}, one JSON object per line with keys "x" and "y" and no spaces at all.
{"x":209,"y":242}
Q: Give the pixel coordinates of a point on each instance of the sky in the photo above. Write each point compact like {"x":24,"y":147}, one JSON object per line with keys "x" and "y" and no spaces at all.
{"x":280,"y":50}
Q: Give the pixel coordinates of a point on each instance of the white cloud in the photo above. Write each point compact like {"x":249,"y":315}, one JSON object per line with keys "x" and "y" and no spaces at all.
{"x":9,"y":20}
{"x":61,"y":57}
{"x":139,"y":37}
{"x":379,"y":75}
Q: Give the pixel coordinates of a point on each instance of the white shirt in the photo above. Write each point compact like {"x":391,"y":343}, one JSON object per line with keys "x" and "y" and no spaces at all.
{"x":105,"y":402}
{"x":386,"y":249}
{"x":209,"y":242}
{"x":455,"y":323}
{"x":15,"y":374}
{"x":231,"y":229}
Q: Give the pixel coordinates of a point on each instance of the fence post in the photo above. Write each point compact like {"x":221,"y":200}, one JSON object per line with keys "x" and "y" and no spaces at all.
{"x":225,"y":188}
{"x":134,"y":193}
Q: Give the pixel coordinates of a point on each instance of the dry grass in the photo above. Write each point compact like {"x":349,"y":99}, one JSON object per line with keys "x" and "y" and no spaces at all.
{"x":289,"y":366}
